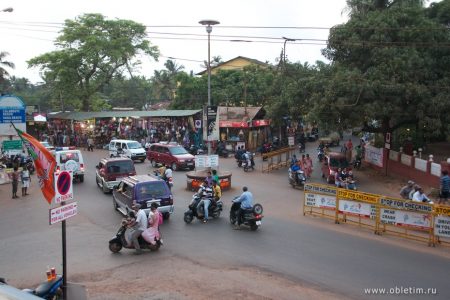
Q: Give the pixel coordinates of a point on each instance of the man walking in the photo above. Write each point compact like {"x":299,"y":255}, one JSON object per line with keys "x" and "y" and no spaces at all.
{"x":444,"y":190}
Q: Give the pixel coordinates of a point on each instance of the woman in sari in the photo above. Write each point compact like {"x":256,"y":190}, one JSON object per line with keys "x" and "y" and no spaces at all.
{"x":151,"y":234}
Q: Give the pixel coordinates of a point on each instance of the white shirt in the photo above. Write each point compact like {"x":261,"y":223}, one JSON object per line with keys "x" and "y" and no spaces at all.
{"x":141,"y":219}
{"x":419,"y":197}
{"x":168,"y":173}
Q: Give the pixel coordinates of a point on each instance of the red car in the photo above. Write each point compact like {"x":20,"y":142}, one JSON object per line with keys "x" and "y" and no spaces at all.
{"x":172,"y":155}
{"x":332,"y":162}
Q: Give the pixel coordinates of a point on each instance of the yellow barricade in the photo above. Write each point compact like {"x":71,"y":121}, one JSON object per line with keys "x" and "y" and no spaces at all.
{"x":408,"y":219}
{"x":441,"y":225}
{"x":277,"y":159}
{"x":411,"y":220}
{"x":320,"y":200}
{"x":358,"y":208}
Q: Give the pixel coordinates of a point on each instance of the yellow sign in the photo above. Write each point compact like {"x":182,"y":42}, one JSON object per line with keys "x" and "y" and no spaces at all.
{"x":442,"y":210}
{"x":363,"y":197}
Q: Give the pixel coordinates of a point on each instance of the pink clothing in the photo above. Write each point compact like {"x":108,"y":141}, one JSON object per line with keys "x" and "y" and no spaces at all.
{"x":308,"y":164}
{"x":152,"y":231}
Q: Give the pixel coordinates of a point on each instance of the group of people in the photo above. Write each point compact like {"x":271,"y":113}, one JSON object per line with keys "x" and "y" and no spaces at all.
{"x":22,"y":176}
{"x":209,"y":193}
{"x":304,"y":164}
{"x":344,"y":178}
{"x":138,"y":224}
{"x":414,"y":192}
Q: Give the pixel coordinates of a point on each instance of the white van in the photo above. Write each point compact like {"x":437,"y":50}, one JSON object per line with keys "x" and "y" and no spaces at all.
{"x":130,"y":149}
{"x":69,"y":159}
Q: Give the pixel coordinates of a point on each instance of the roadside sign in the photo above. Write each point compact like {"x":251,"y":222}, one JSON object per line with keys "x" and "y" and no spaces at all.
{"x":205,"y":161}
{"x":62,"y":213}
{"x":12,"y":145}
{"x":198,"y":124}
{"x":63,"y":187}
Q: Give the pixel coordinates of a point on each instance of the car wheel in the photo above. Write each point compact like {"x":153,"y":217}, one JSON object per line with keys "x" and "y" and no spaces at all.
{"x":153,"y":162}
{"x":115,"y":247}
{"x":81,"y":178}
{"x":166,"y":216}
{"x":97,"y":182}
{"x":142,"y":160}
{"x":232,"y":218}
{"x":174,"y":166}
{"x":191,"y":168}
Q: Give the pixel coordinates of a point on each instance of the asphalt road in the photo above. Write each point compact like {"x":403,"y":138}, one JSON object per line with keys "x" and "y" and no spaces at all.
{"x":305,"y":249}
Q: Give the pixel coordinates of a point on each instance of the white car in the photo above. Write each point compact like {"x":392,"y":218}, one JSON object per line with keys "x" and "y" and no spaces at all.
{"x":130,"y":149}
{"x":70,"y":159}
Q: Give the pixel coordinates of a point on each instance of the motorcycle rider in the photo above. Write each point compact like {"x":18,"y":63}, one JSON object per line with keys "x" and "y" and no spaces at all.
{"x":248,"y":158}
{"x":206,"y":194}
{"x":141,"y":222}
{"x":168,"y":174}
{"x":405,"y":191}
{"x":246,"y":201}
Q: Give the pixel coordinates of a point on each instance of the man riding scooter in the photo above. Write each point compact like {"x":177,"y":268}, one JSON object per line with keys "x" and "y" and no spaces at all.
{"x":246,"y":202}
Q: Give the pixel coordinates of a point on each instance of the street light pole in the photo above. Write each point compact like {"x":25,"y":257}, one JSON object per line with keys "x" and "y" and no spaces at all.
{"x":284,"y":49}
{"x":209,"y":24}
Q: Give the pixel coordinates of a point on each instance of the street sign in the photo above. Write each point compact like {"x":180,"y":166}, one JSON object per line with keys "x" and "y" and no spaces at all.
{"x":198,"y":124}
{"x":12,"y":145}
{"x":63,"y":187}
{"x":62,"y":213}
{"x":205,"y":161}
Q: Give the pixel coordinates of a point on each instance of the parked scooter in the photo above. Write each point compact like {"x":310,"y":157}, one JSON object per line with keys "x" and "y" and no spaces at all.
{"x":118,"y":242}
{"x":297,"y":178}
{"x":50,"y":290}
{"x":250,"y":217}
{"x":214,"y":209}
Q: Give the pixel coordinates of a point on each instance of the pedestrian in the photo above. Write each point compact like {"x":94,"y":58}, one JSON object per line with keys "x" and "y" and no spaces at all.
{"x":406,"y":190}
{"x":25,"y":181}
{"x":349,"y":146}
{"x":308,"y":166}
{"x":444,"y":189}
{"x":15,"y":175}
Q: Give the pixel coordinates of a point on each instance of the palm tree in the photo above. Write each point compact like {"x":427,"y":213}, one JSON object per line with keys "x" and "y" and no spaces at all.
{"x":3,"y":73}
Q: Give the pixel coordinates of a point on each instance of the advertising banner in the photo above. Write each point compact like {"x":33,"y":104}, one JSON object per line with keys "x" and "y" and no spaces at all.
{"x":406,"y":205}
{"x":12,"y":110}
{"x":405,"y":218}
{"x":320,"y":201}
{"x":321,"y":189}
{"x":365,"y":197}
{"x":374,"y":155}
{"x":357,"y":208}
{"x":205,"y":161}
{"x":212,"y":123}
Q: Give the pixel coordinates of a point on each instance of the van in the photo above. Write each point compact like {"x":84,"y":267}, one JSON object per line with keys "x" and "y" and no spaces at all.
{"x":172,"y":155}
{"x":131,"y":149}
{"x":110,"y":171}
{"x":70,"y":159}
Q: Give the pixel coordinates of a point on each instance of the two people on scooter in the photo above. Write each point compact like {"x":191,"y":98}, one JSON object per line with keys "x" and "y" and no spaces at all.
{"x":205,"y":194}
{"x":246,"y":202}
{"x":207,"y":201}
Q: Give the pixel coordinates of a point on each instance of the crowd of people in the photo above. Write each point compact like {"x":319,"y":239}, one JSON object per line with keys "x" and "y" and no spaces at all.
{"x":414,"y":192}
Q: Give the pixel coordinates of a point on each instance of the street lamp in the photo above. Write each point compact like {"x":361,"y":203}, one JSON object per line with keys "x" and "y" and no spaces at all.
{"x":8,"y":9}
{"x":209,"y":24}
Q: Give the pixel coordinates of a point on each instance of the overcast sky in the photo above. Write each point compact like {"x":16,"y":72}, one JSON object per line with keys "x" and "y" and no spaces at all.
{"x":32,"y":27}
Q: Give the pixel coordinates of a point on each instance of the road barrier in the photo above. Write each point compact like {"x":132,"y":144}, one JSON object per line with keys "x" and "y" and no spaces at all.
{"x":277,"y":159}
{"x":384,"y":215}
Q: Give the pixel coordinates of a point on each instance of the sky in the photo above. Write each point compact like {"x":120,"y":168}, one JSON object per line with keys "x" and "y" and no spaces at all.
{"x":250,"y":28}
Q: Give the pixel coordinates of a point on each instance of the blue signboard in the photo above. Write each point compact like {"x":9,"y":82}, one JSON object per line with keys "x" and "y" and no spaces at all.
{"x":11,"y":110}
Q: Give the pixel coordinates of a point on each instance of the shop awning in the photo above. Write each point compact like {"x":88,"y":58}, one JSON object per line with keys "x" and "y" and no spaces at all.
{"x":39,"y":118}
{"x":254,"y":123}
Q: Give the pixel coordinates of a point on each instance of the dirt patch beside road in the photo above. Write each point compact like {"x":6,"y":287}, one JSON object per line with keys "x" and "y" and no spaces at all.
{"x":180,"y":278}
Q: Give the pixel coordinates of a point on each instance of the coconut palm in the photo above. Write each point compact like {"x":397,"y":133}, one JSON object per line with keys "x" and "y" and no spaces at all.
{"x":3,"y":63}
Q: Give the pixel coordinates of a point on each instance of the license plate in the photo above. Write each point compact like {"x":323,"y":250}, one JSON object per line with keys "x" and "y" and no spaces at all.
{"x":190,"y":164}
{"x":258,"y":223}
{"x":149,"y":203}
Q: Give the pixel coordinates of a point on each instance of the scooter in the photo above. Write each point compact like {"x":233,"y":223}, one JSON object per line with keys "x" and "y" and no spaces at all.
{"x":301,"y":148}
{"x":249,"y":217}
{"x":297,"y":178}
{"x":248,"y":164}
{"x":320,"y":154}
{"x":357,"y":163}
{"x":50,"y":290}
{"x":169,"y":180}
{"x":214,"y":209}
{"x":118,"y":242}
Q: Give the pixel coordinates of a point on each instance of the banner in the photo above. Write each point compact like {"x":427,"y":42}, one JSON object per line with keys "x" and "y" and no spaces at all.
{"x":374,"y":155}
{"x":321,"y":201}
{"x":212,"y":123}
{"x":357,"y":208}
{"x":44,"y":162}
{"x":405,"y":218}
{"x":442,"y":226}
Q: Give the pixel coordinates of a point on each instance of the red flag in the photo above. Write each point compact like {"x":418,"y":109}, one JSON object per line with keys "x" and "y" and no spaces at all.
{"x":44,"y":162}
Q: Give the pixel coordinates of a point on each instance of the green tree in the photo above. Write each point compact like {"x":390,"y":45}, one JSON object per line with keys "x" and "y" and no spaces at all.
{"x":3,"y":72}
{"x":93,"y":51}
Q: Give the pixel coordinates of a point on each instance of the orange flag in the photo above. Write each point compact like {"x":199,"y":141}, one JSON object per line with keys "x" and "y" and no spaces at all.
{"x":44,"y":162}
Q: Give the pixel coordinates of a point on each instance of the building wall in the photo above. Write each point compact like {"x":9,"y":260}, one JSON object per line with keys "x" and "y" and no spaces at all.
{"x":237,"y":64}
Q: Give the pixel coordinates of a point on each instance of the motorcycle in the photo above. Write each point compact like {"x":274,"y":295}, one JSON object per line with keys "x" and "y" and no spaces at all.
{"x":301,"y":147}
{"x":169,"y":180}
{"x":118,"y":242}
{"x":222,"y":152}
{"x":249,"y":163}
{"x":297,"y":178}
{"x":214,"y":209}
{"x":50,"y":290}
{"x":320,"y":154}
{"x":357,"y":163}
{"x":194,"y":150}
{"x":249,"y":217}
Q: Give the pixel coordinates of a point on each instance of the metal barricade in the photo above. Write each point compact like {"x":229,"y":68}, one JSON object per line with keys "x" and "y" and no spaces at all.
{"x":276,"y":159}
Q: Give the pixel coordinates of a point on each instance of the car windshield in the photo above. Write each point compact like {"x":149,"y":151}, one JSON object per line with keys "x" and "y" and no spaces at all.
{"x":120,"y":167}
{"x":45,"y":144}
{"x":177,"y":150}
{"x":338,"y":162}
{"x":134,"y":145}
{"x":152,"y":190}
